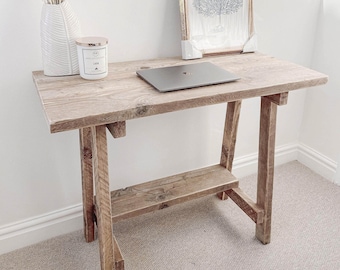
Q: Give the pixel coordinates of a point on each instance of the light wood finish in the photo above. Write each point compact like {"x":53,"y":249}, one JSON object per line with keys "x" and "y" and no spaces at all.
{"x":183,"y":7}
{"x":92,"y":106}
{"x":117,"y":129}
{"x":165,"y":192}
{"x":103,"y":205}
{"x":261,"y":211}
{"x":85,"y":138}
{"x":229,"y":138}
{"x":266,"y":167}
{"x":71,"y":102}
{"x":119,"y":261}
{"x":230,"y":134}
{"x":279,"y":99}
{"x":251,"y":26}
{"x":246,"y":204}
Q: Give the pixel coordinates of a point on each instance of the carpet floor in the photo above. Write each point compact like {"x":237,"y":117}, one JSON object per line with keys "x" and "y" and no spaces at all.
{"x":208,"y":233}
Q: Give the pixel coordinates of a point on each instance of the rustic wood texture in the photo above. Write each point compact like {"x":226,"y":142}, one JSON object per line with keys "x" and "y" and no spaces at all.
{"x":279,"y":99}
{"x":165,"y":192}
{"x":246,"y":204}
{"x":119,"y":261}
{"x":183,"y":7}
{"x":85,"y":136}
{"x":103,"y":203}
{"x":229,"y":138}
{"x":230,"y":134}
{"x":117,"y":129}
{"x":71,"y":102}
{"x":266,"y":167}
{"x":251,"y":26}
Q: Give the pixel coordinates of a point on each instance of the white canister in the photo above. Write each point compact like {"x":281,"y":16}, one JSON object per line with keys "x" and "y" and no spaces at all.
{"x":92,"y":57}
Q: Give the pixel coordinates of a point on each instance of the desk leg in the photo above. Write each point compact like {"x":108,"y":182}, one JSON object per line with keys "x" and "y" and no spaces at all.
{"x":103,"y":198}
{"x":229,"y":138}
{"x":85,"y":137}
{"x":266,"y":167}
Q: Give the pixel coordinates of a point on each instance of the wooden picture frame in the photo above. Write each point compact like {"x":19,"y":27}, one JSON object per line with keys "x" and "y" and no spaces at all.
{"x":216,"y":26}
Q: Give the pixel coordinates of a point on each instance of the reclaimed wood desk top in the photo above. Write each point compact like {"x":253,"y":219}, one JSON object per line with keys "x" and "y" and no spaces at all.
{"x":71,"y":102}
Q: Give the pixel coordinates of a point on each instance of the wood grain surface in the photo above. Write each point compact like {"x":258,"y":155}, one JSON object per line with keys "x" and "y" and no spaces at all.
{"x":168,"y":191}
{"x":85,"y":138}
{"x":246,"y":204}
{"x":71,"y":102}
{"x":103,"y":203}
{"x":229,"y":138}
{"x":265,"y":175}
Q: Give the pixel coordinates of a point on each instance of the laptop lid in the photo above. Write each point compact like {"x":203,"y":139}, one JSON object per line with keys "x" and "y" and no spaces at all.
{"x":186,"y":76}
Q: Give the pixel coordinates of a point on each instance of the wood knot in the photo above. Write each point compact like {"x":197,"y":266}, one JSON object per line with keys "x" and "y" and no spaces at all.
{"x":141,"y":109}
{"x":87,"y":153}
{"x":161,"y":197}
{"x":163,"y":205}
{"x":121,"y":192}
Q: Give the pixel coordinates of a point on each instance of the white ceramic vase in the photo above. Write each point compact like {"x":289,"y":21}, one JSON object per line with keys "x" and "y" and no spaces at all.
{"x":59,"y":28}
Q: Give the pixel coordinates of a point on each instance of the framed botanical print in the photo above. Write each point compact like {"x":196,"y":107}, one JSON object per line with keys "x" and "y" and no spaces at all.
{"x":216,"y":26}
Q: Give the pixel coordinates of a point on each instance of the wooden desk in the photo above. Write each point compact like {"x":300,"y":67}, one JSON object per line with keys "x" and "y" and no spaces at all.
{"x":94,"y":106}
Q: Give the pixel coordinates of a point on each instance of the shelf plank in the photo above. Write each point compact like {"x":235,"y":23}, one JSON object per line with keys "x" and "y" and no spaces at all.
{"x":165,"y":192}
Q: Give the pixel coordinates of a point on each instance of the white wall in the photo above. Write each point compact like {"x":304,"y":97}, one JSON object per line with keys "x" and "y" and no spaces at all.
{"x":40,"y":190}
{"x":321,"y":125}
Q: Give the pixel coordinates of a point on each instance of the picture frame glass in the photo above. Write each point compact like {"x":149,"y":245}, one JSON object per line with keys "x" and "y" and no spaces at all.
{"x":216,"y":26}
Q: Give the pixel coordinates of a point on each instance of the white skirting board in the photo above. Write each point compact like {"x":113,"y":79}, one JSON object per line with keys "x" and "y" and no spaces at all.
{"x":30,"y":231}
{"x":27,"y":232}
{"x":246,"y":165}
{"x":319,"y":163}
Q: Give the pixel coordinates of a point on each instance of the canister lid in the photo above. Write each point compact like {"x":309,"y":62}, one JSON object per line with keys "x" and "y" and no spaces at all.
{"x":91,"y":41}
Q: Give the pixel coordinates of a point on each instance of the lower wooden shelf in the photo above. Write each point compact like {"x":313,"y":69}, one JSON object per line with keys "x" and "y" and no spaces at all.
{"x":165,"y":192}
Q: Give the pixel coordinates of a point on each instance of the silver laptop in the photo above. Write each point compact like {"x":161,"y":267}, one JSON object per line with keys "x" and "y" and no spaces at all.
{"x":186,"y":76}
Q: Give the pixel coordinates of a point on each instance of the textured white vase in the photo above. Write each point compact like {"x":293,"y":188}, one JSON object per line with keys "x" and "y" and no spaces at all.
{"x":59,"y":28}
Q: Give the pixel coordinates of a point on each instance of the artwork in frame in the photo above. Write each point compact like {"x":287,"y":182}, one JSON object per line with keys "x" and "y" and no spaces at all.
{"x":216,"y":26}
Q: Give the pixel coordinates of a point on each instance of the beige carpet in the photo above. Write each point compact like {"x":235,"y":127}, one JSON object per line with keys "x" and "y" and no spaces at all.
{"x":211,"y":234}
